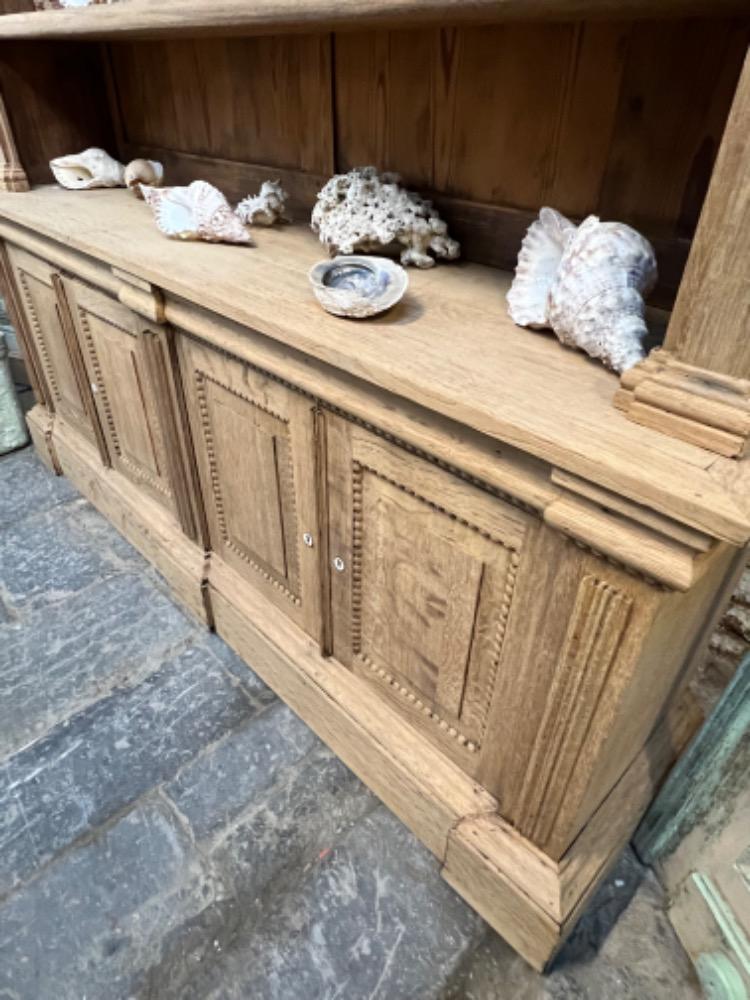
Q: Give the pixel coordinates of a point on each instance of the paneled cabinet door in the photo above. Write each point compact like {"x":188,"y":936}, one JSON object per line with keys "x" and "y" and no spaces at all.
{"x":55,"y":343}
{"x":255,"y":444}
{"x":423,"y":572}
{"x":125,"y":363}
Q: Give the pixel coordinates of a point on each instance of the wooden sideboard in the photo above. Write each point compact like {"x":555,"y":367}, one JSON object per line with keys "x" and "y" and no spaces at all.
{"x":494,"y":636}
{"x":477,"y":564}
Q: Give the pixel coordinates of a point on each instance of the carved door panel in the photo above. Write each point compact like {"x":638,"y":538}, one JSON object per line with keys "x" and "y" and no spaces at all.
{"x":123,"y":358}
{"x":58,"y":351}
{"x":255,"y":445}
{"x":423,"y":571}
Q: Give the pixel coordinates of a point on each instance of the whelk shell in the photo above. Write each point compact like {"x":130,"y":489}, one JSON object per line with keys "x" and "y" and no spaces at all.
{"x":93,"y":168}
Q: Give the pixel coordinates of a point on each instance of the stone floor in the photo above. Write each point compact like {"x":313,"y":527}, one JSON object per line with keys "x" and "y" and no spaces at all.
{"x":169,"y":829}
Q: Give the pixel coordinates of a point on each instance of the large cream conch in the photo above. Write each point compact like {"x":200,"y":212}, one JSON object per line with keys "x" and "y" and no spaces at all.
{"x":587,"y":284}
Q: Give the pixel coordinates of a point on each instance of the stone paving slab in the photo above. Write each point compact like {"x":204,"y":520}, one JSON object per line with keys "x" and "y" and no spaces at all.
{"x":27,"y":487}
{"x":47,"y":558}
{"x":371,"y":919}
{"x":102,"y":759}
{"x":75,"y":651}
{"x":217,"y":786}
{"x":90,"y":926}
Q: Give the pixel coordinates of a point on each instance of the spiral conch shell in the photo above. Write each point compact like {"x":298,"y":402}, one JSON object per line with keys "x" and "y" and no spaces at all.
{"x":587,"y":284}
{"x":196,"y":212}
{"x":93,"y":168}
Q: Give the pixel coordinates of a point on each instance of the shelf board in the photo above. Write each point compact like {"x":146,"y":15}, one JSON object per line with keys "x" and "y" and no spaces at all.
{"x":166,"y":18}
{"x":449,"y":346}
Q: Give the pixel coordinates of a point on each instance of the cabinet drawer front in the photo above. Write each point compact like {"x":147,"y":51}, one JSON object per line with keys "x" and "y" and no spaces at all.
{"x":119,"y":367}
{"x":255,"y":443}
{"x":420,"y":606}
{"x":56,"y":348}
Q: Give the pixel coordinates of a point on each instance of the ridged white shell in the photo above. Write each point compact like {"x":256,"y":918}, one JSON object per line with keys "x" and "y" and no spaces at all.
{"x":538,"y":261}
{"x":93,"y":168}
{"x":266,"y":207}
{"x":196,"y":212}
{"x":594,"y":298}
{"x":140,"y":172}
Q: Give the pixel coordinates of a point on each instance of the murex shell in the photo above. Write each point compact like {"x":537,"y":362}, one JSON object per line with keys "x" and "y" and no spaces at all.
{"x":196,"y":212}
{"x":93,"y":168}
{"x":266,"y":207}
{"x":358,"y":286}
{"x":587,"y":284}
{"x":370,"y":212}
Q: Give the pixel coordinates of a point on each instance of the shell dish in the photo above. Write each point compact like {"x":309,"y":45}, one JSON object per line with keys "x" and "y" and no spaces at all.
{"x":358,"y":286}
{"x":266,"y":207}
{"x":196,"y":212}
{"x":367,"y":211}
{"x":139,"y":172}
{"x":93,"y":168}
{"x":587,"y":284}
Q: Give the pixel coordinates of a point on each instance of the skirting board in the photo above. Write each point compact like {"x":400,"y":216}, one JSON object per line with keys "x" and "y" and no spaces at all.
{"x":142,"y":521}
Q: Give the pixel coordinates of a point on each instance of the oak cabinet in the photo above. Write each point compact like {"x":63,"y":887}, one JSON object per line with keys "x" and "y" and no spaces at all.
{"x":57,"y":349}
{"x":425,"y":565}
{"x":255,"y":445}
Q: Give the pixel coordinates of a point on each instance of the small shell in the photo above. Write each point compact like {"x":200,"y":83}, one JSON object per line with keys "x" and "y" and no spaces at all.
{"x":139,"y":172}
{"x":196,"y":212}
{"x":358,"y":286}
{"x":587,"y":283}
{"x":93,"y":168}
{"x":265,"y":208}
{"x":538,"y":260}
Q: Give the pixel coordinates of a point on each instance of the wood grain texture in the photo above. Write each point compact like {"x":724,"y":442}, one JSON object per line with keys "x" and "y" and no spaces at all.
{"x":166,"y":18}
{"x":56,"y":100}
{"x":708,"y":328}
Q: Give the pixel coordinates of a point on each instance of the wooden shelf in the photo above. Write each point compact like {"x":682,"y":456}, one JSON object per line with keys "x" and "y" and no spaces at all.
{"x":449,"y":347}
{"x":163,"y":18}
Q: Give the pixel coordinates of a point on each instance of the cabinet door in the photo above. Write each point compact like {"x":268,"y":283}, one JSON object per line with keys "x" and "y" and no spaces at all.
{"x":124,"y":360}
{"x":423,"y":572}
{"x":56,"y":346}
{"x":255,"y":445}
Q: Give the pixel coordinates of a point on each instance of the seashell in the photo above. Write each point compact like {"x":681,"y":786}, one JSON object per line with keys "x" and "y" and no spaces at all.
{"x":538,"y":261}
{"x":358,"y":286}
{"x":93,"y":168}
{"x":139,"y":172}
{"x":265,"y":208}
{"x":196,"y":212}
{"x":594,"y":298}
{"x":370,"y":212}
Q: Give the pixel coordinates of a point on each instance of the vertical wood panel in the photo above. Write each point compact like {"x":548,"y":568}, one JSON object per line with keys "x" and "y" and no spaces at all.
{"x":256,"y":100}
{"x":384,"y":102}
{"x":677,"y":85}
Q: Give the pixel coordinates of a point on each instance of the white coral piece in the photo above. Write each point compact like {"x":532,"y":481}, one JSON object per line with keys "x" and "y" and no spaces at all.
{"x":367,"y":212}
{"x":587,"y":284}
{"x":266,"y":207}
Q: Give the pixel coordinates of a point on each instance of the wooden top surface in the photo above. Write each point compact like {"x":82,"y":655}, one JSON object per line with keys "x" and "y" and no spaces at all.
{"x":449,"y":346}
{"x":163,"y":18}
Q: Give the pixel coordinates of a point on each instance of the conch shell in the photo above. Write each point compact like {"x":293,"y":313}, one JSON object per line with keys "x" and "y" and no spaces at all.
{"x":196,"y":212}
{"x":587,"y":284}
{"x":265,"y":208}
{"x":93,"y":168}
{"x":139,"y":172}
